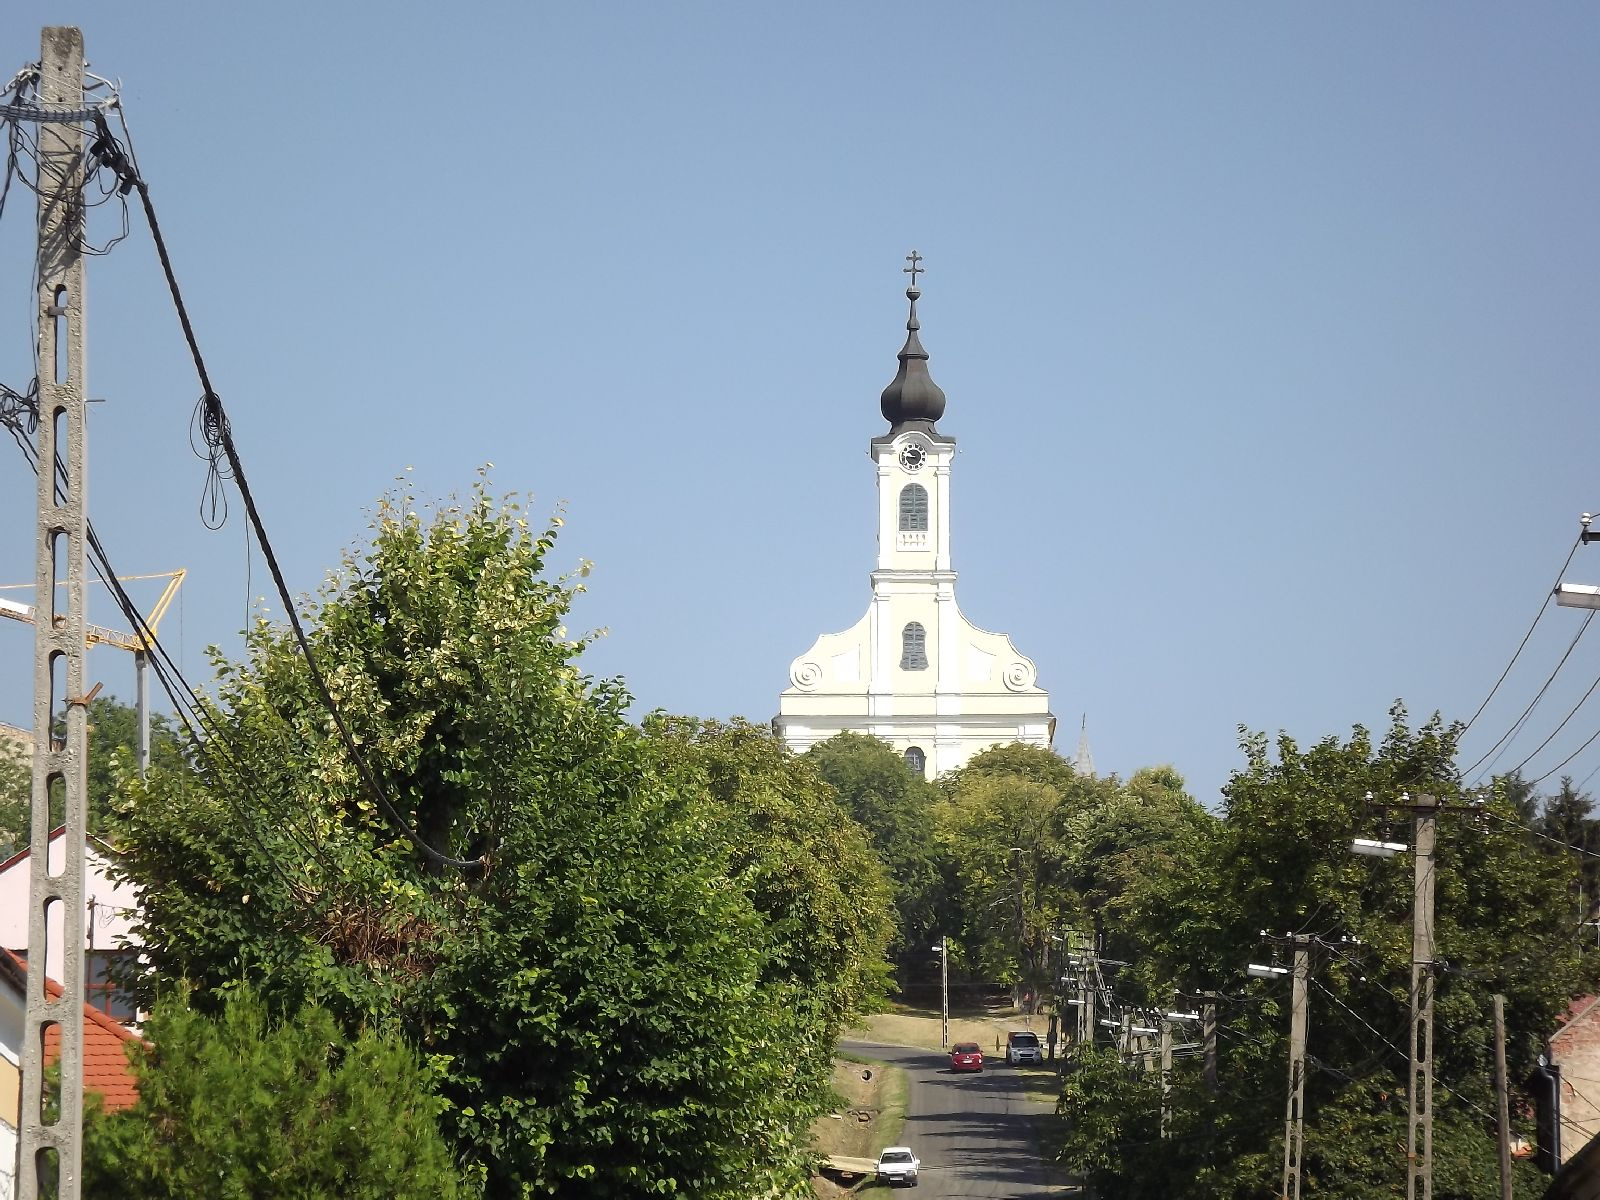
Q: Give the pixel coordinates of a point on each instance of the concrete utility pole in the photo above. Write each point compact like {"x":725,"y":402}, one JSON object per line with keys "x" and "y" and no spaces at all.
{"x":59,"y":765}
{"x":1419,"y":1127}
{"x":1086,"y":1014}
{"x":1022,"y":940}
{"x":1502,"y":1104}
{"x":1295,"y":1114}
{"x":1208,"y":1038}
{"x":944,"y":990}
{"x":1166,"y":1076}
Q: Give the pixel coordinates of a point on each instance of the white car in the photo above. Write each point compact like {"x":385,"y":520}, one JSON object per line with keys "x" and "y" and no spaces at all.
{"x":898,"y":1165}
{"x":1022,"y":1045}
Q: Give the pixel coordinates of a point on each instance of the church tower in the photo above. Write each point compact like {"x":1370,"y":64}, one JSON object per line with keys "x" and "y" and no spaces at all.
{"x":914,"y":671}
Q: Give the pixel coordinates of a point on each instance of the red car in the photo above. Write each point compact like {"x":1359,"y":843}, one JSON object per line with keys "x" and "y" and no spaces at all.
{"x":965,"y":1056}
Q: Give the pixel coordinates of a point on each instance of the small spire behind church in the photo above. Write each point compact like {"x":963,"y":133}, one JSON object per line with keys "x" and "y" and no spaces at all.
{"x":912,"y":398}
{"x":1083,"y":764}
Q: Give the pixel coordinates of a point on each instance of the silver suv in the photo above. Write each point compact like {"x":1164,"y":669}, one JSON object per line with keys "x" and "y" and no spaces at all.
{"x":1022,"y":1045}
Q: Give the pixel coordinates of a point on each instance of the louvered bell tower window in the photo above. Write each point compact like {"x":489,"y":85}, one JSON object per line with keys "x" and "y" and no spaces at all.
{"x":913,"y":508}
{"x":914,"y":647}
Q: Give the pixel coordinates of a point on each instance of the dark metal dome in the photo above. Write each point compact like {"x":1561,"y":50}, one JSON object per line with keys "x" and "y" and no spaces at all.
{"x":913,"y":397}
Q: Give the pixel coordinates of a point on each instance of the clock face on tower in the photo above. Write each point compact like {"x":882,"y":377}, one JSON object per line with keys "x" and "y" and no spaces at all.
{"x":912,"y":456}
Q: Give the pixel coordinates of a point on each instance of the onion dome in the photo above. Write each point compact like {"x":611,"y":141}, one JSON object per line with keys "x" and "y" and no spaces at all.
{"x":913,"y":398}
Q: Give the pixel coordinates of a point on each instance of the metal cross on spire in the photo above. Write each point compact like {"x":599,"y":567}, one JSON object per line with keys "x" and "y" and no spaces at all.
{"x":913,"y":270}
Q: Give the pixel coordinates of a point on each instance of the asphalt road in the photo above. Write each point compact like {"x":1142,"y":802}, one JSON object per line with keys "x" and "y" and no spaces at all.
{"x":971,"y":1131}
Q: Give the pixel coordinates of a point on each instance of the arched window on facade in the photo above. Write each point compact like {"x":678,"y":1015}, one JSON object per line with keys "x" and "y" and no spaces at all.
{"x":914,"y":647}
{"x":917,"y":761}
{"x":913,"y":508}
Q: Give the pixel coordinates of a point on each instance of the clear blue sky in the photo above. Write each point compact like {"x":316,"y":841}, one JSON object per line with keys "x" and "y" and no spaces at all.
{"x":1268,"y":331}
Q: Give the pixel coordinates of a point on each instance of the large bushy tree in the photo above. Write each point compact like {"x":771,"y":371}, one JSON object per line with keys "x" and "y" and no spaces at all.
{"x":608,"y":993}
{"x":895,"y":807}
{"x":1279,"y":861}
{"x":1040,"y":852}
{"x":240,"y":1106}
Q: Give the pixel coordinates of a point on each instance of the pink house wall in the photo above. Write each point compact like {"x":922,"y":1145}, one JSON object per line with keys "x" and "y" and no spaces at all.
{"x":113,"y":906}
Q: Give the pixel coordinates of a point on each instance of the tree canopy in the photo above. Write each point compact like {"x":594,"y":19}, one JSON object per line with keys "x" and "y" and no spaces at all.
{"x":895,"y":807}
{"x":113,"y":733}
{"x":1278,"y":862}
{"x":610,"y":996}
{"x":242,"y":1107}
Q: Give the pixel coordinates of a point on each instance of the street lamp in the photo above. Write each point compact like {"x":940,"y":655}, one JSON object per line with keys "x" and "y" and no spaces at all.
{"x":943,"y":951}
{"x":1376,"y":849}
{"x":1258,"y":971}
{"x":1578,"y":595}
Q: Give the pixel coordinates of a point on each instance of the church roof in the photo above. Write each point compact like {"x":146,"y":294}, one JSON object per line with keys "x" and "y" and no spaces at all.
{"x":912,"y":399}
{"x":1083,"y":764}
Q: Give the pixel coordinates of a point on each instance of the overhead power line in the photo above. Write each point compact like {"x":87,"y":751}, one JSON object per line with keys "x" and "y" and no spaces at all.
{"x":1551,"y":736}
{"x":120,"y":158}
{"x":208,"y":742}
{"x":1495,"y":750}
{"x":1537,"y":617}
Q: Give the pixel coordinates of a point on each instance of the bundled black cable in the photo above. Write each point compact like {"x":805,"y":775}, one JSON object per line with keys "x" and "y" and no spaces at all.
{"x":216,"y":434}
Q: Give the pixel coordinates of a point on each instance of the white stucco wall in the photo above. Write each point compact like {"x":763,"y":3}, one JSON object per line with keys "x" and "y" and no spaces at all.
{"x":113,"y":905}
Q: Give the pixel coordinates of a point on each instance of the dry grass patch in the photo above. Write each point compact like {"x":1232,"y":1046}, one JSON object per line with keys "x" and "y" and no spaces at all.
{"x":905,"y":1025}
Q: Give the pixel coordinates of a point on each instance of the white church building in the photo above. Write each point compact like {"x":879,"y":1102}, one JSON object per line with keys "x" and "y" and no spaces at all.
{"x":914,"y":671}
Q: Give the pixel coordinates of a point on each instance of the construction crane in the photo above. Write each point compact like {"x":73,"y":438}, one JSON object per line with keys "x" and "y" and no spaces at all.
{"x":136,"y":644}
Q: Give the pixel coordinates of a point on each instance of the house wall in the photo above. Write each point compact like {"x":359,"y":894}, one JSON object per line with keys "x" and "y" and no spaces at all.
{"x":12,"y":1012}
{"x":1576,"y":1050}
{"x":114,"y":907}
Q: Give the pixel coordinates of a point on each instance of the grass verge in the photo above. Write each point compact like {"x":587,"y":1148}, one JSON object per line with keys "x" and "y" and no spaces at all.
{"x":870,"y":1116}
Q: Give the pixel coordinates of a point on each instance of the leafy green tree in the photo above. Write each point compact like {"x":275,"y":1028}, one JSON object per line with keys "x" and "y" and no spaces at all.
{"x":1013,"y":760}
{"x":1132,"y":852}
{"x":16,"y":784}
{"x":1001,"y":832}
{"x":241,"y":1107}
{"x":810,"y":872}
{"x":1521,"y":794}
{"x":607,"y":996}
{"x":1278,"y":860}
{"x":1567,"y":820}
{"x":809,"y":869}
{"x":1111,"y":1107}
{"x":895,"y":807}
{"x":114,"y":732}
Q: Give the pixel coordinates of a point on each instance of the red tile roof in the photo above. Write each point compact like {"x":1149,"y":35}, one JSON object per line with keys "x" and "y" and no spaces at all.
{"x":106,"y":1069}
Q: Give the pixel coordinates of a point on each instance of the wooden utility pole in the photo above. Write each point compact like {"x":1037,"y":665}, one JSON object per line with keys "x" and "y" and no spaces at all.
{"x":1502,"y":1101}
{"x":59,"y":764}
{"x":1419,"y":1086}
